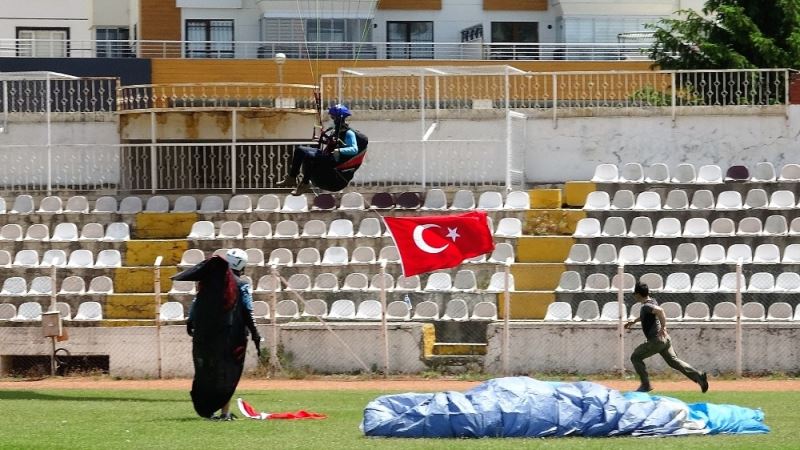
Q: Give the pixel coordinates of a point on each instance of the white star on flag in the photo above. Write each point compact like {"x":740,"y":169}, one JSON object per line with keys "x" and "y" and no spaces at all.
{"x":452,"y":233}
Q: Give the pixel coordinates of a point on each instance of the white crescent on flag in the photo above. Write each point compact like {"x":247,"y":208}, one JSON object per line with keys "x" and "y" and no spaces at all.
{"x":420,"y":241}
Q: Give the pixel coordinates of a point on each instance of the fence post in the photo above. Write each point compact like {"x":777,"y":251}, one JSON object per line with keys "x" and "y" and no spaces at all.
{"x":234,"y":174}
{"x":274,"y":363}
{"x":157,"y":291}
{"x":739,"y":318}
{"x":384,"y":325}
{"x":620,"y":324}
{"x":49,"y":137}
{"x":506,"y":318}
{"x":554,"y":76}
{"x":787,"y":79}
{"x":153,"y":154}
{"x":673,"y":95}
{"x":508,"y":130}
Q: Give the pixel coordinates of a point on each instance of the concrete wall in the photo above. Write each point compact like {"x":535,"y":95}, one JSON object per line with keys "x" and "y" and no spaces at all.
{"x":72,"y":14}
{"x":592,"y":347}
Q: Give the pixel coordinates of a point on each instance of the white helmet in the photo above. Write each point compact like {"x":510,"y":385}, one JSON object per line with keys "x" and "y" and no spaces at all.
{"x":237,"y":259}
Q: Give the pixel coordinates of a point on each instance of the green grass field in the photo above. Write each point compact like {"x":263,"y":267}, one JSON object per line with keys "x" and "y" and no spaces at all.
{"x":87,"y":419}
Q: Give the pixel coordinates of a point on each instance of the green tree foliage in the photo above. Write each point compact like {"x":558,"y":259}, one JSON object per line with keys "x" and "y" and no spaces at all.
{"x":730,"y":34}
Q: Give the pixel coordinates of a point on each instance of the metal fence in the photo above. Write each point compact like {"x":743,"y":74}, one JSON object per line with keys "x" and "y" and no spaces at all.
{"x":735,"y":329}
{"x":40,"y":94}
{"x":216,"y":95}
{"x":475,"y":50}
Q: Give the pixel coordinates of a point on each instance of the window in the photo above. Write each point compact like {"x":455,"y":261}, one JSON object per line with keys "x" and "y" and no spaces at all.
{"x":411,"y":34}
{"x":515,"y":33}
{"x":352,"y":35}
{"x":212,"y":38}
{"x":112,"y":43}
{"x":43,"y":42}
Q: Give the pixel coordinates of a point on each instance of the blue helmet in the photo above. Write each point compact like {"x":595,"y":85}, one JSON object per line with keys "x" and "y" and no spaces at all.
{"x":339,"y":111}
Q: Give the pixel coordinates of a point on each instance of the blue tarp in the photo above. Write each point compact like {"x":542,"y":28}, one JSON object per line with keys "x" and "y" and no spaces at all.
{"x":524,"y":407}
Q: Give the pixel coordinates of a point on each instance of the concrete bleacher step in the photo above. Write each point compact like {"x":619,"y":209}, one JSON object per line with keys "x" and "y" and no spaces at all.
{"x":132,"y":280}
{"x":525,"y":305}
{"x":544,"y":249}
{"x":144,"y":252}
{"x":536,"y":276}
{"x":163,"y":225}
{"x":130,"y":306}
{"x":554,"y":221}
{"x":575,"y":192}
{"x":458,"y":349}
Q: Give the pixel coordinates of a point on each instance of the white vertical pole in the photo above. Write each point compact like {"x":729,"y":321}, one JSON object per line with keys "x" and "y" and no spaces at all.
{"x":555,"y":100}
{"x":506,"y":318}
{"x":49,"y":138}
{"x":739,"y":318}
{"x":274,"y":364}
{"x":509,"y":150}
{"x":422,"y":129}
{"x":157,"y":291}
{"x":384,"y":325}
{"x":5,"y":105}
{"x":674,"y":96}
{"x":233,"y":150}
{"x":436,"y":93}
{"x":620,"y":324}
{"x":153,"y":154}
{"x":53,"y":288}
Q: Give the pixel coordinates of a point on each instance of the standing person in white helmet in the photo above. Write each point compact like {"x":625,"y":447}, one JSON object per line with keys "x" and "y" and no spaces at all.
{"x":219,"y":320}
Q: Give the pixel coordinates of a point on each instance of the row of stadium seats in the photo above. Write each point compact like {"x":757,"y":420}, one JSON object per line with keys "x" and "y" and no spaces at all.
{"x":695,"y":227}
{"x":44,"y":285}
{"x":464,"y":281}
{"x":345,"y":309}
{"x":435,"y":199}
{"x":32,"y":311}
{"x":67,"y":232}
{"x":507,"y":227}
{"x":678,"y":200}
{"x":704,"y":282}
{"x":686,"y":253}
{"x":334,"y":256}
{"x":78,"y":259}
{"x":588,"y":310}
{"x":685,"y":173}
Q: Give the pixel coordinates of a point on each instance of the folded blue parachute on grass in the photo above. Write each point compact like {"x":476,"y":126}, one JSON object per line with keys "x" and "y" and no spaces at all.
{"x":524,"y":407}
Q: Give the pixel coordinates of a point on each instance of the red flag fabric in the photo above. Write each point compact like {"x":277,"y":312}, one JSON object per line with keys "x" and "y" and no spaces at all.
{"x":428,"y":243}
{"x":250,"y":412}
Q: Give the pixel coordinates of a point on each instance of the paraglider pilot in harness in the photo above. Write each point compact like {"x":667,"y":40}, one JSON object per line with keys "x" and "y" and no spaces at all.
{"x":331,"y":163}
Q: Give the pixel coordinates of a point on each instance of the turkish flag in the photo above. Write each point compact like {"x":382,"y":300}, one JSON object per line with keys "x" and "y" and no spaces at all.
{"x":439,"y":242}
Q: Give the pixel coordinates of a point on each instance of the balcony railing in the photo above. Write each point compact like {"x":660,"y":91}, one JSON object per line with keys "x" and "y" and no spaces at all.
{"x":323,"y":50}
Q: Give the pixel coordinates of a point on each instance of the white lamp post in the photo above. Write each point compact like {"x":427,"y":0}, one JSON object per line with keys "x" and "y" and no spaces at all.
{"x":280,"y":58}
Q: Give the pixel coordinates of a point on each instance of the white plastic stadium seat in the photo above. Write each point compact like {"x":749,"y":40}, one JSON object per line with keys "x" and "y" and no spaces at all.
{"x":439,"y":281}
{"x":558,"y":311}
{"x":631,"y":254}
{"x":787,"y":282}
{"x":171,"y":311}
{"x":570,"y":282}
{"x":456,"y":310}
{"x":230,"y":229}
{"x":191,"y":257}
{"x":678,"y":282}
{"x":381,"y":281}
{"x":724,"y":311}
{"x":315,"y":307}
{"x":702,"y":199}
{"x":578,"y":254}
{"x":779,"y":311}
{"x":157,"y":204}
{"x":739,"y":253}
{"x":268,"y":283}
{"x":498,"y":281}
{"x":104,"y":205}
{"x":657,"y":173}
{"x":408,"y":284}
{"x":490,"y":201}
{"x":280,"y":257}
{"x":369,"y":227}
{"x":435,"y":199}
{"x":696,"y":227}
{"x":610,"y":312}
{"x":342,"y":309}
{"x":211,"y":204}
{"x":587,"y":228}
{"x":130,"y":205}
{"x":5,"y":258}
{"x":623,"y":199}
{"x":202,"y":229}
{"x":259,"y":229}
{"x":268,"y":203}
{"x":255,"y":257}
{"x":641,"y":227}
{"x":712,"y":254}
{"x":89,"y":311}
{"x":295,"y":204}
{"x":335,"y":256}
{"x":465,"y":281}
{"x":117,"y":232}
{"x":775,"y":225}
{"x":77,"y":204}
{"x":605,"y":254}
{"x":628,"y":281}
{"x":729,"y":200}
{"x":658,"y":254}
{"x":92,"y":231}
{"x":29,"y":311}
{"x":672,"y":310}
{"x":705,"y":282}
{"x":722,"y":227}
{"x":597,"y":201}
{"x":308,"y":256}
{"x":101,"y":285}
{"x":40,"y":232}
{"x":790,"y":172}
{"x":64,"y":232}
{"x":108,"y":258}
{"x":782,"y":200}
{"x":614,"y":227}
{"x":50,"y":205}
{"x":709,"y":174}
{"x":767,"y":254}
{"x":756,"y":199}
{"x":684,"y":173}
{"x":605,"y":173}
{"x":398,"y":310}
{"x":509,"y":227}
{"x":426,"y":310}
{"x":11,"y":232}
{"x":326,"y":281}
{"x":463,"y":200}
{"x":14,"y":286}
{"x":517,"y":200}
{"x":597,"y":282}
{"x":587,"y":311}
{"x":26,"y":258}
{"x":389,"y":254}
{"x":631,"y":173}
{"x":340,"y":228}
{"x":183,"y":287}
{"x":676,"y":200}
{"x":352,"y":201}
{"x":728,"y":283}
{"x":653,"y":281}
{"x":696,"y":311}
{"x":261,"y":310}
{"x":764,"y":173}
{"x":298,"y":282}
{"x":240,"y":204}
{"x":761,"y":282}
{"x":42,"y":285}
{"x":286,"y":229}
{"x":185,"y":204}
{"x":648,"y":201}
{"x":287,"y":309}
{"x":369,"y":310}
{"x":355,"y":281}
{"x":668,"y":227}
{"x":749,"y":226}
